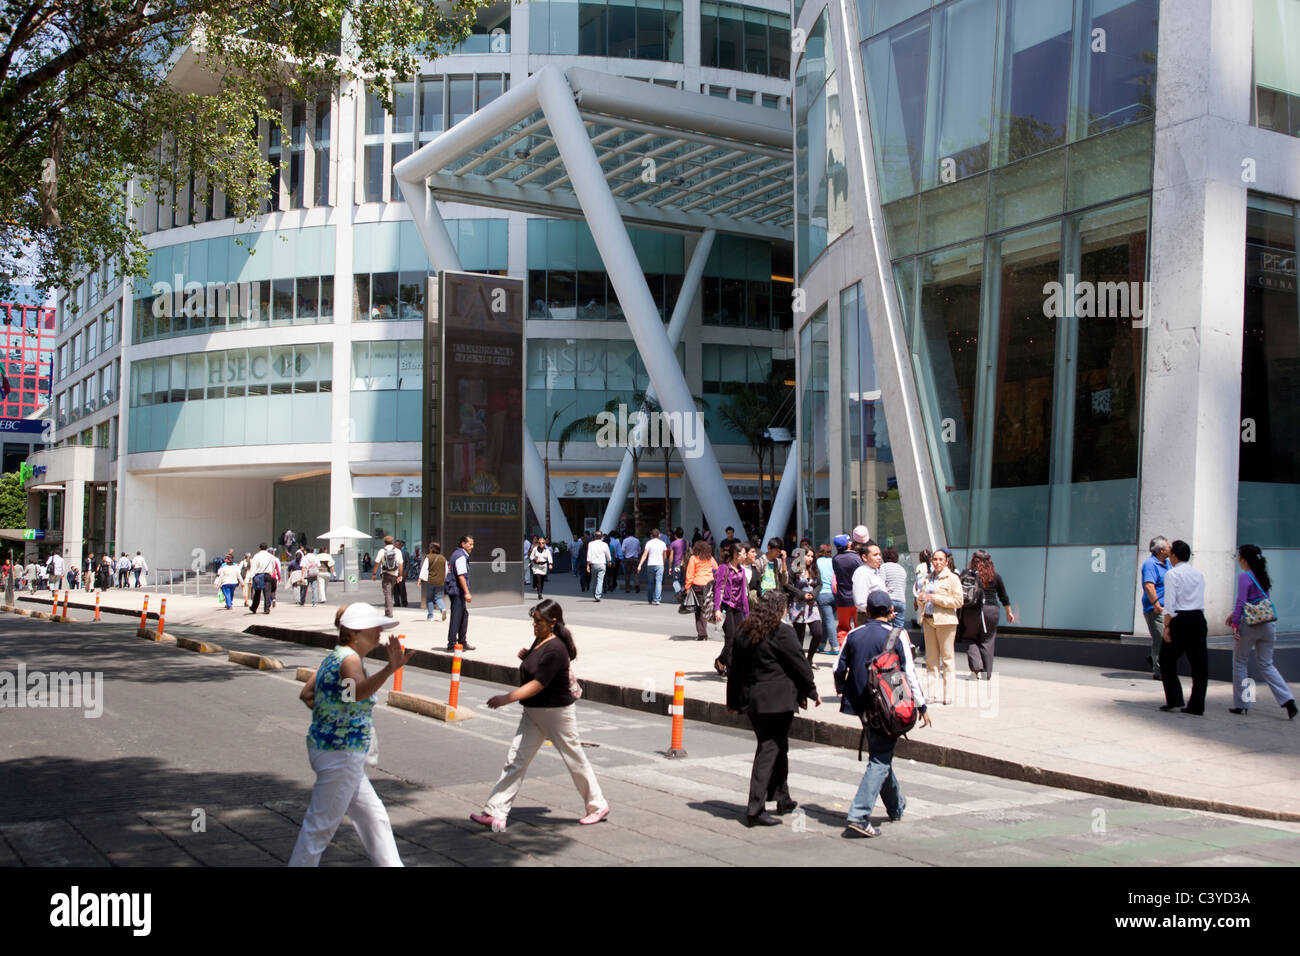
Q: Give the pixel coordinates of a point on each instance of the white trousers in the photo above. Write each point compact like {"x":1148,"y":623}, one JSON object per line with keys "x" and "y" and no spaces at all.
{"x":342,"y":787}
{"x":560,"y":726}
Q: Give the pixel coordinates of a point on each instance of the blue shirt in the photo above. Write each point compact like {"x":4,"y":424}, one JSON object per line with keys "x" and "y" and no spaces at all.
{"x":1153,"y":572}
{"x":827,"y":574}
{"x":337,"y":723}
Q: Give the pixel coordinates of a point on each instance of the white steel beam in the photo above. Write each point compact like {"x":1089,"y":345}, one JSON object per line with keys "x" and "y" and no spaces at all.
{"x":783,"y":502}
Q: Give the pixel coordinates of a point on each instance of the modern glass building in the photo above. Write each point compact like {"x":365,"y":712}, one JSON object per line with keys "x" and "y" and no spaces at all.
{"x":267,"y":375}
{"x":1045,"y":251}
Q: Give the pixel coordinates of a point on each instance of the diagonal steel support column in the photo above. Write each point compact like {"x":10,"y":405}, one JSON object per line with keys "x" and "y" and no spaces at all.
{"x":624,"y":270}
{"x":676,"y":324}
{"x":786,"y":493}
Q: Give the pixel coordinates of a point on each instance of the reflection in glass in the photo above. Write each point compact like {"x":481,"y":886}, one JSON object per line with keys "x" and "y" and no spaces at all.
{"x":1036,"y":77}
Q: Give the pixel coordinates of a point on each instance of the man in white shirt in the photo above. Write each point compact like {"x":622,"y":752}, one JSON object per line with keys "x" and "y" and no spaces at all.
{"x":57,"y":570}
{"x":388,"y":563}
{"x":260,"y":569}
{"x":631,"y":551}
{"x":123,"y":570}
{"x":1185,"y":632}
{"x":653,"y":558}
{"x":868,"y":577}
{"x":598,"y":559}
{"x":139,"y":567}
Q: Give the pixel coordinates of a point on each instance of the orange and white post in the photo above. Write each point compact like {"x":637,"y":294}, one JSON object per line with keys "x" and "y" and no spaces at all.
{"x":162,"y":613}
{"x":97,"y":605}
{"x":453,"y":700}
{"x":144,"y":614}
{"x":66,"y":594}
{"x":678,"y":710}
{"x":397,"y":675}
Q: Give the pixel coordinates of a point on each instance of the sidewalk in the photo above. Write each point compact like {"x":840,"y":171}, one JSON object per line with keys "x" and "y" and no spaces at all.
{"x":1083,"y":728}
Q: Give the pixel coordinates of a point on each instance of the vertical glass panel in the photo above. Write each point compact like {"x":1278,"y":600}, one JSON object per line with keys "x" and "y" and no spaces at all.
{"x":280,"y":371}
{"x":622,"y":28}
{"x":383,"y":295}
{"x":383,"y":366}
{"x":326,"y":313}
{"x":591,"y":295}
{"x":1013,"y":511}
{"x":361,"y":377}
{"x":322,"y":156}
{"x":282,"y":301}
{"x":1122,"y":76}
{"x":965,"y":44}
{"x":755,"y":50}
{"x":400,"y":152}
{"x":891,"y":12}
{"x":814,"y":367}
{"x":673,"y":32}
{"x":195,"y":376}
{"x":539,"y":32}
{"x":1100,"y":503}
{"x":374,"y":114}
{"x":650,"y":30}
{"x":325,"y":367}
{"x":1027,"y":191}
{"x":306,"y":301}
{"x":731,"y":36}
{"x":537,"y":294}
{"x":896,"y":65}
{"x":1036,"y":77}
{"x":1269,"y":502}
{"x":562,"y":27}
{"x":946,"y":360}
{"x":953,"y":213}
{"x":900,"y":225}
{"x":561,"y":293}
{"x":361,"y":297}
{"x":410,"y":292}
{"x":591,"y":29}
{"x":374,"y":174}
{"x":410,"y":357}
{"x":1110,"y":166}
{"x":708,"y":34}
{"x":778,"y":46}
{"x":489,"y":88}
{"x":403,"y":107}
{"x":460,"y":90}
{"x":431,"y":111}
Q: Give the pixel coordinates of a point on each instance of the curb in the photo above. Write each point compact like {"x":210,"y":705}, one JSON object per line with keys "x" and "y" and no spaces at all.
{"x":200,"y":647}
{"x":149,"y":634}
{"x":259,"y":661}
{"x":804,"y":728}
{"x":428,"y":707}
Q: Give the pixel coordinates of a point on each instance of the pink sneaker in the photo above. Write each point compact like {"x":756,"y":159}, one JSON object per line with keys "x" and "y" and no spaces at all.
{"x":488,"y":821}
{"x":595,"y":817}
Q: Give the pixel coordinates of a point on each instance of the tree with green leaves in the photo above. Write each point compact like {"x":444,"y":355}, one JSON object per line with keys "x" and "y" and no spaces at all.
{"x":13,"y":502}
{"x":97,"y":93}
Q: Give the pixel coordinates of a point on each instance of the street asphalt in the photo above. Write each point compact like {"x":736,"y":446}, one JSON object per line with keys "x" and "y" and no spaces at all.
{"x":199,"y":761}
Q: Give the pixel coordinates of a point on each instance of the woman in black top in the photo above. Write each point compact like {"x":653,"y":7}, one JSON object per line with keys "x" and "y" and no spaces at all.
{"x":980,"y":628}
{"x":768,"y":680}
{"x":546,"y":692}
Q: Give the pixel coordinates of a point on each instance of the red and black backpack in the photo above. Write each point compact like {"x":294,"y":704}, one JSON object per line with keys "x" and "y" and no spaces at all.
{"x":891,"y":708}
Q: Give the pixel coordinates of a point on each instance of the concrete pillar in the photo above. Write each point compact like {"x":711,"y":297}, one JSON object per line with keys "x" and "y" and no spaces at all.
{"x":33,"y":521}
{"x":74,"y":516}
{"x":1191,"y":412}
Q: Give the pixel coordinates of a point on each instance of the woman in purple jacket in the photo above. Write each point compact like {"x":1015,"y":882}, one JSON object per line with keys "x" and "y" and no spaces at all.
{"x":1253,"y":585}
{"x":730,"y":603}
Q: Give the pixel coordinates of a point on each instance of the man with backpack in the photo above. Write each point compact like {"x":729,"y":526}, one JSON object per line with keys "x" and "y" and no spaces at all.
{"x":877,"y":682}
{"x":388,"y":563}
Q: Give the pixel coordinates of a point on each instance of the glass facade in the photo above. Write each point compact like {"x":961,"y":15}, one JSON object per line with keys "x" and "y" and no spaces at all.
{"x":733,"y":37}
{"x":27,"y":338}
{"x":740,"y":287}
{"x":723,"y":364}
{"x":273,"y":395}
{"x":822,"y":211}
{"x":814,"y":426}
{"x":868,"y":477}
{"x":1276,"y":104}
{"x":1268,"y":501}
{"x":576,"y":377}
{"x":387,"y":385}
{"x":566,"y":276}
{"x":633,"y":29}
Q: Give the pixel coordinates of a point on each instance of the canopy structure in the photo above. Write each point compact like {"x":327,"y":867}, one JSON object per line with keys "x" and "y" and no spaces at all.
{"x":617,"y":153}
{"x":342,"y":533}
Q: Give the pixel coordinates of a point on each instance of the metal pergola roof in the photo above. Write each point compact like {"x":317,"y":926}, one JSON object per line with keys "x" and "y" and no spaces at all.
{"x":673,"y":160}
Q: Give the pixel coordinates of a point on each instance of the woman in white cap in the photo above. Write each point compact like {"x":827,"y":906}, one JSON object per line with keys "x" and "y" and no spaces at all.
{"x":341,"y":698}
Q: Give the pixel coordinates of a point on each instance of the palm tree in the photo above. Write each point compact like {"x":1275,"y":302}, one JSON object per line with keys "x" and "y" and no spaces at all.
{"x":587,"y":427}
{"x":749,"y":410}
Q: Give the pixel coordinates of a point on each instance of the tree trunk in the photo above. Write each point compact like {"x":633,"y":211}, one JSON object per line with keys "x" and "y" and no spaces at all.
{"x":636,"y":494}
{"x":547,"y":463}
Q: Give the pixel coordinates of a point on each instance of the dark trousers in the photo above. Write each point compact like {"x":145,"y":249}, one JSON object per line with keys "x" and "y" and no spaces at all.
{"x":703,"y":611}
{"x":457,"y":621}
{"x":399,"y":593}
{"x":1187,"y":633}
{"x":539,"y":582}
{"x":731,"y":621}
{"x":630,"y":578}
{"x":584,"y":577}
{"x":122,"y":578}
{"x":979,"y":650}
{"x":767,"y":781}
{"x":261,"y":594}
{"x":816,"y":629}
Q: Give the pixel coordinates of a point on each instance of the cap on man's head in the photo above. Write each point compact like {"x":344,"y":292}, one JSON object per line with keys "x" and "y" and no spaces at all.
{"x":841,"y":541}
{"x":879,"y":601}
{"x":361,"y":616}
{"x":861,"y":535}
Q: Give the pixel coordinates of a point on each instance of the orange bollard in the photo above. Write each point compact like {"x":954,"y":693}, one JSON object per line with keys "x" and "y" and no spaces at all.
{"x":678,"y":710}
{"x":454,"y":698}
{"x":65,"y":604}
{"x":397,"y":675}
{"x":162,"y":613}
{"x":144,"y":613}
{"x":97,"y":605}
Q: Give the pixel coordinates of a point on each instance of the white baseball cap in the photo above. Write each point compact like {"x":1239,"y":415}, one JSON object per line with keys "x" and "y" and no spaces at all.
{"x":361,"y":617}
{"x":861,"y":535}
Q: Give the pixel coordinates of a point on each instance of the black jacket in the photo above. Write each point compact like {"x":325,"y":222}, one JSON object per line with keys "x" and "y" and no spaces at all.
{"x":769,"y":677}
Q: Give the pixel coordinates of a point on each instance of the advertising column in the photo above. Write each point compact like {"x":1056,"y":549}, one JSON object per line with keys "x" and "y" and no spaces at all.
{"x":482,"y":429}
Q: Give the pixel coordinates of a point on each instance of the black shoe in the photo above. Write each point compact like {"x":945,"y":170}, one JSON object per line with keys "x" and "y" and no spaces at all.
{"x":786,"y":807}
{"x":1169,"y":707}
{"x":763,"y":819}
{"x":1290,"y":709}
{"x":1236,"y":710}
{"x":1156,"y":676}
{"x":1194,"y":713}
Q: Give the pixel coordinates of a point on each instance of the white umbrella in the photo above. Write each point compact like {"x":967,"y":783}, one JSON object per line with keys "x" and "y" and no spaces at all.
{"x":344,"y":532}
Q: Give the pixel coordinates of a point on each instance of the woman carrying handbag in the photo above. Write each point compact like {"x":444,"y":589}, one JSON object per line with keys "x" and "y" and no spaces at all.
{"x":1254,"y":623}
{"x":699,"y":587}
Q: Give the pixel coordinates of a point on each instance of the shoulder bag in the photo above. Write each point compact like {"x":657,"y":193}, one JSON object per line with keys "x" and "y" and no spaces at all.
{"x":1259,"y":612}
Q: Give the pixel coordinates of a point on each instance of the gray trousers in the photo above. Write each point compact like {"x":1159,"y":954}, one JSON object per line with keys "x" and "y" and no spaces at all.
{"x":1260,"y":639}
{"x":1156,"y":627}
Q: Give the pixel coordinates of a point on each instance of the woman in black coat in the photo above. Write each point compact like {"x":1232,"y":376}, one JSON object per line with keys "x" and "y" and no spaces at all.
{"x":769,"y":679}
{"x":979,"y":626}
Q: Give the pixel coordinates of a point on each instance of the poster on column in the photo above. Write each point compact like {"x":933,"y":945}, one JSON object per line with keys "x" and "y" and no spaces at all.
{"x":483,"y":432}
